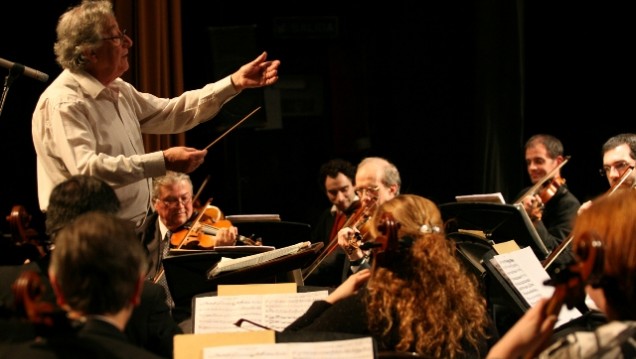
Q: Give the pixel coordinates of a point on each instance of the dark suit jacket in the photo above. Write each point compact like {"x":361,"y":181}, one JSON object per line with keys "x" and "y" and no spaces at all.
{"x":96,"y":339}
{"x":151,"y":325}
{"x":557,"y":220}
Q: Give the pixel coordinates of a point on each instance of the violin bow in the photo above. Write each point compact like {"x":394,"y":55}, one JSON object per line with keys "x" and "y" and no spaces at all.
{"x":566,"y":242}
{"x":233,"y":127}
{"x":205,"y":182}
{"x":533,"y":190}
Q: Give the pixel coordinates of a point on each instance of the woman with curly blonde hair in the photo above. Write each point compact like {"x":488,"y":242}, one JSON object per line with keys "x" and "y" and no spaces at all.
{"x":417,"y":298}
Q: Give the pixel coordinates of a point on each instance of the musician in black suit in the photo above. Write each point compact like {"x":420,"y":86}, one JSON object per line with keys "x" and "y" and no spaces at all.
{"x":337,"y":180}
{"x":172,"y":198}
{"x":151,"y":326}
{"x":553,"y":219}
{"x":97,"y":271}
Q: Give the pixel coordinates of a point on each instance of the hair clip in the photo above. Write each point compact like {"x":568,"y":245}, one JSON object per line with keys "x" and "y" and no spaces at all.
{"x":425,"y":228}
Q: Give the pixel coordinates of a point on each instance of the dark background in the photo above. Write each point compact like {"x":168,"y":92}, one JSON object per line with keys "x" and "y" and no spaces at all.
{"x":448,"y":92}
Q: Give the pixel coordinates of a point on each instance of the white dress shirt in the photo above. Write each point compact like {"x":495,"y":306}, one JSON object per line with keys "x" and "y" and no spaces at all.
{"x":82,"y":127}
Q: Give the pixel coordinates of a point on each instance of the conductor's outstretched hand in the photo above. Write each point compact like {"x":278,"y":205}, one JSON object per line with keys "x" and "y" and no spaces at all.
{"x":258,"y":73}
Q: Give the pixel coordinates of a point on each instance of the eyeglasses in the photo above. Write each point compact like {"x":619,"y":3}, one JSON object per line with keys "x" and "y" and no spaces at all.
{"x":174,"y":202}
{"x":371,"y":190}
{"x":620,"y":167}
{"x":118,"y":39}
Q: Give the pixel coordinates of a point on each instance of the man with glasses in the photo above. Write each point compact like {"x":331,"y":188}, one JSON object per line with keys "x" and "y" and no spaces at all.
{"x":172,"y":200}
{"x":377,"y":181}
{"x":90,"y":121}
{"x":619,"y":157}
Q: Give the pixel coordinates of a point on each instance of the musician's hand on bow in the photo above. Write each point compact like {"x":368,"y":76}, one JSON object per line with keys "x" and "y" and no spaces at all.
{"x":226,"y":236}
{"x":522,"y":337}
{"x":534,"y":207}
{"x":183,"y":159}
{"x":349,"y":286}
{"x":348,"y":242}
{"x":583,"y":207}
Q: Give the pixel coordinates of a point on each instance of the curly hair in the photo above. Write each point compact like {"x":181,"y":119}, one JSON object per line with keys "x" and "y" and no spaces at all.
{"x":431,"y":299}
{"x":80,"y":28}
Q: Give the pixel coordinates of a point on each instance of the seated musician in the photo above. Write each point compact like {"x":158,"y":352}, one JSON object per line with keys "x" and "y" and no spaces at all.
{"x":619,"y":155}
{"x":552,"y":219}
{"x":337,"y":181}
{"x":610,"y":284}
{"x":173,"y":203}
{"x":97,"y":270}
{"x":416,"y":297}
{"x":150,"y":325}
{"x":377,"y":181}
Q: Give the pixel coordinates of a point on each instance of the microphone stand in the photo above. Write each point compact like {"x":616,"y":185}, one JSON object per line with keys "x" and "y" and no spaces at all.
{"x":15,"y":72}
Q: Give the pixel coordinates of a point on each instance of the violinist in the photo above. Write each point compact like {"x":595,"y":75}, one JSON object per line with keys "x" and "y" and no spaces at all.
{"x":611,"y":221}
{"x":402,"y":303}
{"x":337,"y":181}
{"x":619,"y":154}
{"x":377,"y":181}
{"x":172,"y":199}
{"x":553,"y":209}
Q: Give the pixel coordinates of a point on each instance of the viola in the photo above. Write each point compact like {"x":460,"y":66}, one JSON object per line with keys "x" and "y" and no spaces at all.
{"x":570,"y":281}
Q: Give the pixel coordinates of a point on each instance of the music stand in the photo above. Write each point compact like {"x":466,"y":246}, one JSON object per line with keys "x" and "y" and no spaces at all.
{"x":186,"y":274}
{"x":499,"y":223}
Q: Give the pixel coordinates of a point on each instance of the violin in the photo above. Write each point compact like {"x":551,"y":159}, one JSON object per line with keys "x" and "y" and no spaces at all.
{"x":333,"y":243}
{"x":201,"y":233}
{"x":386,"y":245}
{"x":570,"y":281}
{"x":561,"y":247}
{"x":548,"y":185}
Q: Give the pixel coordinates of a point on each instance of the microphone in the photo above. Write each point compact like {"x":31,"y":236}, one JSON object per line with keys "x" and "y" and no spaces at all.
{"x":33,"y":73}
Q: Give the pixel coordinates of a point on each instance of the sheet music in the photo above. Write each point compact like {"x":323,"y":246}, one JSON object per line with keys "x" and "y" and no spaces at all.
{"x":361,"y":348}
{"x":215,"y":314}
{"x":524,"y":271}
{"x":254,"y":259}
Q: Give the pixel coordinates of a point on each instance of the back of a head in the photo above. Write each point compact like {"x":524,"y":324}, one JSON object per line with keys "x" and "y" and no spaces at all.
{"x":612,"y":220}
{"x":97,"y":263}
{"x":76,"y":195}
{"x":417,"y":216}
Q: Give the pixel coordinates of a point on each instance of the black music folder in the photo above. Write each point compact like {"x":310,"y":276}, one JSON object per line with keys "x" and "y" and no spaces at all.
{"x":272,"y":233}
{"x":187,"y":274}
{"x":498,"y":222}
